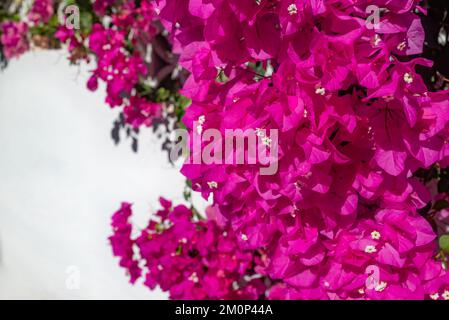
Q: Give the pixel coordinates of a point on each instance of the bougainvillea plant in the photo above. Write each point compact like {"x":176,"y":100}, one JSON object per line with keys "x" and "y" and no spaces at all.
{"x":358,"y":93}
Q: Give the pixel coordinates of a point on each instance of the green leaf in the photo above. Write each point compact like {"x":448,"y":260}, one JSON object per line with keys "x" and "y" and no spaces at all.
{"x":187,"y":195}
{"x":159,"y":227}
{"x":85,"y":5}
{"x":183,"y":101}
{"x":444,"y":243}
{"x":86,"y":21}
{"x":162,"y":94}
{"x":54,"y":21}
{"x":221,"y":77}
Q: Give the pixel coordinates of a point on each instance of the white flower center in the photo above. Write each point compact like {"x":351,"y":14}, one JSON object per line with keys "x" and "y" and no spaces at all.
{"x":408,"y":78}
{"x":320,"y":90}
{"x":376,"y":40}
{"x":434,"y":296}
{"x":446,"y":295}
{"x":370,"y":249}
{"x":266,"y":141}
{"x":381,"y":286}
{"x":375,"y":235}
{"x":402,"y":46}
{"x":292,"y":9}
{"x":212,"y":184}
{"x":194,"y":277}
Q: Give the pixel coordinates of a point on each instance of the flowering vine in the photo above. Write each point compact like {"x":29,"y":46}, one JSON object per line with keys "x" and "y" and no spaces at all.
{"x":359,"y":199}
{"x":355,"y":121}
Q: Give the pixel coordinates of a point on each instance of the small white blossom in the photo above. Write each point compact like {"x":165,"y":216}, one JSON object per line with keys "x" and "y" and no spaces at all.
{"x":212,"y":184}
{"x":292,"y":9}
{"x":445,"y":295}
{"x":370,"y":249}
{"x":266,"y":141}
{"x":381,"y":286}
{"x":376,"y":40}
{"x":434,"y":296}
{"x":320,"y":90}
{"x":408,"y":78}
{"x":375,"y":235}
{"x":194,"y":277}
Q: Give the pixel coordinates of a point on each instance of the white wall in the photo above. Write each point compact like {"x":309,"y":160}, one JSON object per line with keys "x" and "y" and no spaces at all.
{"x":61,"y":178}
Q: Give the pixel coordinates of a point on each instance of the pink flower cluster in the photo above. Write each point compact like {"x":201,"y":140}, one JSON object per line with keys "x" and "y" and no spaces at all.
{"x":41,"y":11}
{"x":190,"y":258}
{"x":122,"y":245}
{"x":13,"y":36}
{"x":119,"y":48}
{"x":66,"y":35}
{"x":394,"y":253}
{"x":355,"y":120}
{"x":100,"y":6}
{"x":119,"y":68}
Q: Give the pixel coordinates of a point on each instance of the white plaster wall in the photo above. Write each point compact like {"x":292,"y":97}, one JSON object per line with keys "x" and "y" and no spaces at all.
{"x":61,"y":178}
